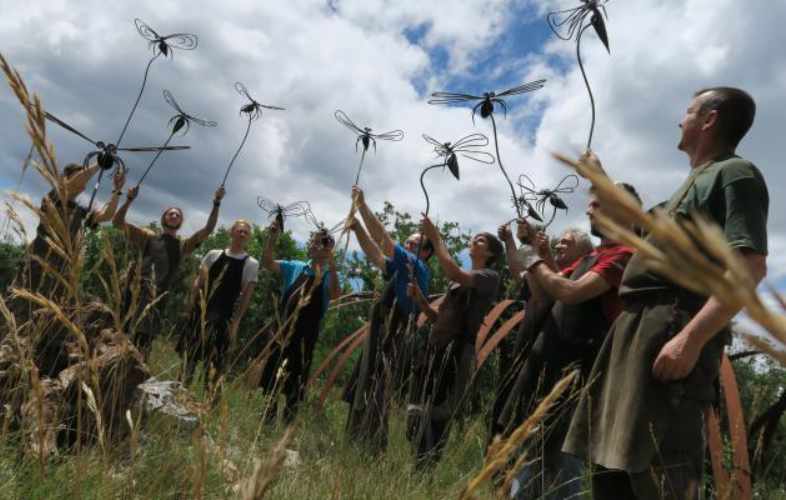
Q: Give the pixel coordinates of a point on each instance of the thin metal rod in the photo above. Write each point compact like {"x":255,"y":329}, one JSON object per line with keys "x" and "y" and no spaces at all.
{"x":153,"y":161}
{"x":242,"y":143}
{"x":360,"y":166}
{"x":501,"y":167}
{"x":136,"y":103}
{"x":586,"y":83}
{"x":95,"y":190}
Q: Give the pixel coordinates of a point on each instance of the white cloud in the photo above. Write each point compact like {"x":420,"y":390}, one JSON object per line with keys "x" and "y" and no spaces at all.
{"x":86,"y":62}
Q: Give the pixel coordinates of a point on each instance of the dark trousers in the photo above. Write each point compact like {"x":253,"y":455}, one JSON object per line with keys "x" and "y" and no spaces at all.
{"x":209,"y":346}
{"x":298,"y":354}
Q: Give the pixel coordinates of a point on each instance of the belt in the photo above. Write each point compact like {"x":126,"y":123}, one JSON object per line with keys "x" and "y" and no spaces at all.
{"x":680,"y":298}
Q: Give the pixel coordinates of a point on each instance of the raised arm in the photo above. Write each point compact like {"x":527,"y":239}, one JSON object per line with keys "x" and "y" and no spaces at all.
{"x":416,"y":294}
{"x":516,"y":266}
{"x":372,"y":251}
{"x":375,"y":228}
{"x":135,"y":234}
{"x":197,"y":238}
{"x":451,"y":269}
{"x":106,"y":213}
{"x":268,"y":262}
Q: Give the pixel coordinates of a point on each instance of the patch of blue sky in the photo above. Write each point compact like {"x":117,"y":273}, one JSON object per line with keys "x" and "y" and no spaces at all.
{"x":498,"y":67}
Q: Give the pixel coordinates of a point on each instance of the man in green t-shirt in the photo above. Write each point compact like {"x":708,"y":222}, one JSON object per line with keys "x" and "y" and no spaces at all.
{"x":640,"y":421}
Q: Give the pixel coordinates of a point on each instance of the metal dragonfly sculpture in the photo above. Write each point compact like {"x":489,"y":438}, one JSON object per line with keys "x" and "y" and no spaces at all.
{"x":570,"y":23}
{"x":467,"y":146}
{"x":322,"y":233}
{"x":253,"y":110}
{"x":485,"y":105}
{"x":366,"y":137}
{"x":161,"y":45}
{"x":281,"y":212}
{"x":531,"y":194}
{"x":106,"y":154}
{"x":180,"y":122}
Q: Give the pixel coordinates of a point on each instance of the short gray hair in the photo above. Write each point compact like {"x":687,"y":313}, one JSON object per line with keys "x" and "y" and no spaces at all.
{"x":582,"y":239}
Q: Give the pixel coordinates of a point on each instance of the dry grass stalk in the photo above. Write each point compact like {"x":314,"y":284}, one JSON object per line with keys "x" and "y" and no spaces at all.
{"x":499,"y":453}
{"x":694,"y":253}
{"x":261,"y":479}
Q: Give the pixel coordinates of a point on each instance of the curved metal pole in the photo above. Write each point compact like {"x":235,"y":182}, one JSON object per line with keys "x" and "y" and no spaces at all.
{"x":153,"y":161}
{"x":234,"y":157}
{"x":501,"y":167}
{"x":586,"y":83}
{"x":425,"y":193}
{"x":136,"y":103}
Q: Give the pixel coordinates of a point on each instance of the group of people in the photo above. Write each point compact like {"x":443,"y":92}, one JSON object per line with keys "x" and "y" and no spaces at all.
{"x":647,"y":351}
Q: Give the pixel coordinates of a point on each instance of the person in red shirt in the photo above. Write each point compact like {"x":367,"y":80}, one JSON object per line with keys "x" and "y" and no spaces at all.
{"x":585,"y":303}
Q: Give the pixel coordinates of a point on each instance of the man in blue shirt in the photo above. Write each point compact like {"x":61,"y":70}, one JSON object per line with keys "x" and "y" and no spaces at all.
{"x":307,"y":288}
{"x":369,"y":391}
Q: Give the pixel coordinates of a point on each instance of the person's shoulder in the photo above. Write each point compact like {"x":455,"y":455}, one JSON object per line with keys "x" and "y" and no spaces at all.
{"x":616,"y":250}
{"x":735,"y":168}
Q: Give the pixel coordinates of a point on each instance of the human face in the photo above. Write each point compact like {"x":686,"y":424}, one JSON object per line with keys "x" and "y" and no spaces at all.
{"x":692,"y":123}
{"x":173,"y":218}
{"x":320,"y":245}
{"x":412,"y":243}
{"x":240,"y":233}
{"x":479,"y":248}
{"x":566,"y":251}
{"x":592,"y":207}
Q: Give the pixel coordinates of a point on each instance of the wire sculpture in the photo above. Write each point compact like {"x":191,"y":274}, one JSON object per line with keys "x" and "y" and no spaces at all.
{"x":160,"y":45}
{"x":366,"y":137}
{"x":323,"y":234}
{"x":530,"y":193}
{"x":281,"y":212}
{"x":486,"y":107}
{"x":253,"y":110}
{"x":106,"y":154}
{"x":179,"y":122}
{"x":570,"y":23}
{"x":467,"y":147}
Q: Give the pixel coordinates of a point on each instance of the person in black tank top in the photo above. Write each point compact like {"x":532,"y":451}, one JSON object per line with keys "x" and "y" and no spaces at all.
{"x":222,"y":292}
{"x":308,"y":288}
{"x":160,"y":258}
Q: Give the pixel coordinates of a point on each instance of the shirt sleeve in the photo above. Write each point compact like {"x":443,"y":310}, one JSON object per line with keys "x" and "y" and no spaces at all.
{"x":250,"y":271}
{"x":611,"y":265}
{"x":288,"y":272}
{"x":747,"y":204}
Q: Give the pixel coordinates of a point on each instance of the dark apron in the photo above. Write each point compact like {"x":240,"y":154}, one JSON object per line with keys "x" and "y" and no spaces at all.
{"x":224,"y":285}
{"x":370,"y":388}
{"x":161,"y":258}
{"x":297,"y":346}
{"x":570,"y":335}
{"x":443,"y":376}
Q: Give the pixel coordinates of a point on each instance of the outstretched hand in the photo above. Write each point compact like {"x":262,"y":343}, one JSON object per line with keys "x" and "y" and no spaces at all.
{"x":358,"y":196}
{"x":428,"y":228}
{"x":219,"y":195}
{"x":504,"y":233}
{"x":132,"y":193}
{"x":591,"y":160}
{"x":542,"y":246}
{"x":119,"y":179}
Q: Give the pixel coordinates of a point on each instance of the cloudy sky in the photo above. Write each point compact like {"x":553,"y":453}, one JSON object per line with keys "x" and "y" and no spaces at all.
{"x":378,"y":61}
